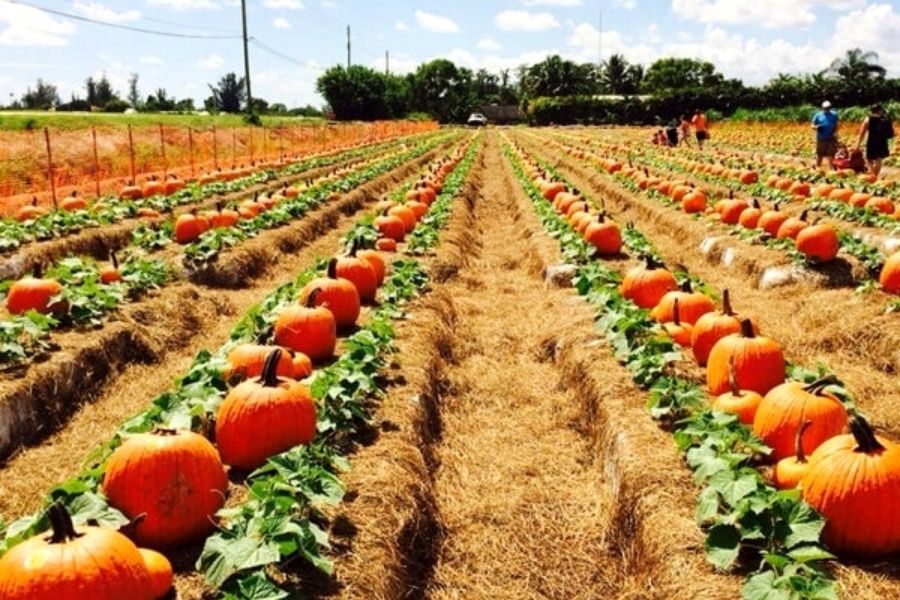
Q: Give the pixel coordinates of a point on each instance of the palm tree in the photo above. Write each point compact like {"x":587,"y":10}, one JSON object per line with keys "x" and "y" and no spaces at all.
{"x":614,"y":74}
{"x":857,"y":66}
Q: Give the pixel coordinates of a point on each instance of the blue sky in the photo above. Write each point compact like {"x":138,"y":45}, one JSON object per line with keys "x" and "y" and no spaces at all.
{"x":750,"y":39}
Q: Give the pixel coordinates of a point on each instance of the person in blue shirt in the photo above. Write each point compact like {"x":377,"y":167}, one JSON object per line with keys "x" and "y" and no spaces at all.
{"x":825,"y":122}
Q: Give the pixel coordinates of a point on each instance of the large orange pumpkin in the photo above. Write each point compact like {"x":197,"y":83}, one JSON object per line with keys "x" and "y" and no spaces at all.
{"x":604,"y":236}
{"x":854,"y":482}
{"x":263,"y":417}
{"x":307,"y":328}
{"x":33,"y":293}
{"x":74,"y":564}
{"x":890,"y":274}
{"x":175,"y":479}
{"x":357,"y":271}
{"x":335,"y":293}
{"x":712,"y":327}
{"x":784,"y":409}
{"x":645,"y":285}
{"x":818,"y":243}
{"x":692,"y":305}
{"x":758,"y":362}
{"x":247,"y":360}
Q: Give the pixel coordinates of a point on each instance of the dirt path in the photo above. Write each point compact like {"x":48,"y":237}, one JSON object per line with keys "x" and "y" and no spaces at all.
{"x":522,"y":505}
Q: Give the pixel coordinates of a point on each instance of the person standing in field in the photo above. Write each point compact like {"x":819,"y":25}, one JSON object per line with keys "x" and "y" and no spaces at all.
{"x":880,"y":130}
{"x":672,"y":133}
{"x":685,"y":131}
{"x":701,"y":127}
{"x":825,"y":122}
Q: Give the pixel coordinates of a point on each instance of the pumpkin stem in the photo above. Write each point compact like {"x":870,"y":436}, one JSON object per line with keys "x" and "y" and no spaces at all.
{"x":686,"y":287}
{"x":331,"y":271}
{"x":34,"y":200}
{"x":803,"y":214}
{"x":726,"y":303}
{"x":866,"y":441}
{"x":731,"y":194}
{"x":61,"y":524}
{"x":732,"y":379}
{"x":821,"y":383}
{"x":652,"y":263}
{"x":798,"y":441}
{"x":219,"y":205}
{"x":676,"y":317}
{"x":37,"y":270}
{"x":354,"y":247}
{"x":747,"y":328}
{"x":269,"y":375}
{"x":311,"y":299}
{"x":756,"y":203}
{"x":114,"y":259}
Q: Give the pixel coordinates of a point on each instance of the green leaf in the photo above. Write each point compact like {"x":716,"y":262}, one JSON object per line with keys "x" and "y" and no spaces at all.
{"x":252,"y":586}
{"x":762,"y":586}
{"x":224,"y":556}
{"x":723,"y":544}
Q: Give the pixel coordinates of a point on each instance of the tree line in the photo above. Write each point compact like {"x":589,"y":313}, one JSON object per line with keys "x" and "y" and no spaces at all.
{"x":561,"y":90}
{"x":228,"y":95}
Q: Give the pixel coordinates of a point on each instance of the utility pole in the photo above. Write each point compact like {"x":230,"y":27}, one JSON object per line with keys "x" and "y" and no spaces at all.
{"x":246,"y":58}
{"x":348,"y":47}
{"x":599,"y":39}
{"x":387,"y":62}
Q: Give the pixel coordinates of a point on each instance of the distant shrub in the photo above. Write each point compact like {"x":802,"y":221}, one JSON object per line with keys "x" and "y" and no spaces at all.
{"x":116,"y":106}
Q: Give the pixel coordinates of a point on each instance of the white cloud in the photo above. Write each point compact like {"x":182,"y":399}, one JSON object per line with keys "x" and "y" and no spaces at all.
{"x":436,"y":23}
{"x":489,"y":45}
{"x":329,"y":4}
{"x":873,"y":28}
{"x":93,"y":10}
{"x":522,"y":20}
{"x":283,"y":4}
{"x":552,"y":2}
{"x":186,"y":4}
{"x":281,"y":23}
{"x":213,"y":61}
{"x":626,"y":4}
{"x":767,"y":13}
{"x":401,"y":26}
{"x":26,"y":26}
{"x":150,"y":59}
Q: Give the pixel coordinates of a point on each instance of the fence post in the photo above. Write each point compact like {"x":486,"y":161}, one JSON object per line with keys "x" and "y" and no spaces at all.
{"x":281,"y":144}
{"x":50,"y":166}
{"x":131,"y":155}
{"x":96,"y":160}
{"x":162,"y":152}
{"x":291,"y":139}
{"x":191,"y":149}
{"x":233,"y":147}
{"x":215,"y":149}
{"x":250,"y":142}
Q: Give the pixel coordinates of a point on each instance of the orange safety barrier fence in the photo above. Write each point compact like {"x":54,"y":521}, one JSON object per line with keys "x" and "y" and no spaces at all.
{"x":49,"y":164}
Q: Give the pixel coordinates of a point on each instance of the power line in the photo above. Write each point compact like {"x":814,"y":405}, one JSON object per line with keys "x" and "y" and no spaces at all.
{"x":125,"y":27}
{"x":290,"y":59}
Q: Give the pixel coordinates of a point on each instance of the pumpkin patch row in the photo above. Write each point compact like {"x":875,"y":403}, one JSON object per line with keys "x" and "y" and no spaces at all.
{"x":170,"y":481}
{"x":815,"y":242}
{"x":746,"y":375}
{"x":79,"y":291}
{"x":34,"y":223}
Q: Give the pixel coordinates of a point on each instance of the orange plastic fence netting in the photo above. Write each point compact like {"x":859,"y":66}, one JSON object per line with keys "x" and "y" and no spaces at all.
{"x":49,"y":164}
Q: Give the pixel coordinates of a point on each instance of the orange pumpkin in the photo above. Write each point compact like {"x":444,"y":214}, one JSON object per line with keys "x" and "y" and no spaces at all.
{"x":390,"y":226}
{"x":386,"y":244}
{"x":758,"y":362}
{"x":792,"y":226}
{"x":854,"y":482}
{"x":679,"y":331}
{"x":359,"y":272}
{"x":604,"y":236}
{"x":337,"y":294}
{"x":743,"y":403}
{"x":73,"y":202}
{"x":30,"y":211}
{"x":74,"y":564}
{"x":246,"y":361}
{"x":645,"y":285}
{"x":281,"y":410}
{"x":890,"y":274}
{"x":160,"y":570}
{"x":771,"y":220}
{"x":790,"y":470}
{"x":693,"y":305}
{"x":175,"y":479}
{"x":376,"y":260}
{"x":786,"y":406}
{"x":819,"y":243}
{"x":711,"y":327}
{"x":189,"y":227}
{"x":110,"y":273}
{"x":308,"y":328}
{"x":34,"y":293}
